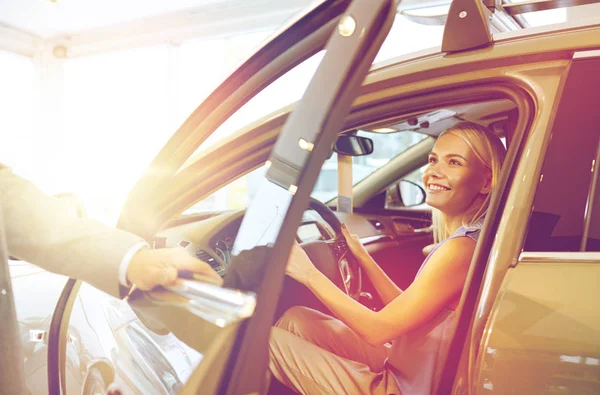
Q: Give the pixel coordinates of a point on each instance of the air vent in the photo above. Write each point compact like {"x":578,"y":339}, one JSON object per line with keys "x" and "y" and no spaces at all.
{"x":204,"y":256}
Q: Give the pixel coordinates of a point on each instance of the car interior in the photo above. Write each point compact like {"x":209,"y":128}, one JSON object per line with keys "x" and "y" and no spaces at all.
{"x":398,"y":236}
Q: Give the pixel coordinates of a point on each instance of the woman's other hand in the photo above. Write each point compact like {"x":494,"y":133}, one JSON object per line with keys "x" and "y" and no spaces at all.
{"x":354,"y":244}
{"x":299,"y":266}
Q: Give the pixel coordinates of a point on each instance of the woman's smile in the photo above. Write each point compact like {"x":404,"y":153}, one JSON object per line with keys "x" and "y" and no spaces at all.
{"x":435,"y":188}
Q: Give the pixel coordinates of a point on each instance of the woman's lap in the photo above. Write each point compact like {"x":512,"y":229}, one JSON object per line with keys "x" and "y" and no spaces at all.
{"x":315,"y":353}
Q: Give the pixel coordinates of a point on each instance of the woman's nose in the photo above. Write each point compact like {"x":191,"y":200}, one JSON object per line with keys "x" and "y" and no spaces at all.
{"x":432,"y":171}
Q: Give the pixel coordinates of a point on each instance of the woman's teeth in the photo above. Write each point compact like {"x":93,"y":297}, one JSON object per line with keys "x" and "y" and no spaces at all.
{"x":434,"y":187}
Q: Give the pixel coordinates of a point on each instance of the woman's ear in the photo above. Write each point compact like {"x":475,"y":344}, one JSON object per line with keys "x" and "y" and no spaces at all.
{"x":487,"y":185}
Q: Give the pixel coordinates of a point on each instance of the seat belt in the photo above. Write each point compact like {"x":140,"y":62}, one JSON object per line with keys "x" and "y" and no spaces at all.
{"x":345,"y":195}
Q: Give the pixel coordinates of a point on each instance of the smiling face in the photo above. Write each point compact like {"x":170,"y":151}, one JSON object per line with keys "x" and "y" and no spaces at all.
{"x":456,"y":181}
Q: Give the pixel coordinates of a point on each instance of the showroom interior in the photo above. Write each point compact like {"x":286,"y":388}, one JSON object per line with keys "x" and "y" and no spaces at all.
{"x":102,"y":104}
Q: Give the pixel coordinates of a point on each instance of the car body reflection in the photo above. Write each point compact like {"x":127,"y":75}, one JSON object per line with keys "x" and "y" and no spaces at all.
{"x":106,"y":341}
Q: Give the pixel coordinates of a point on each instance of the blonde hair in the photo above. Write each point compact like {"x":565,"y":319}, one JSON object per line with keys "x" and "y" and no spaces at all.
{"x":488,"y":148}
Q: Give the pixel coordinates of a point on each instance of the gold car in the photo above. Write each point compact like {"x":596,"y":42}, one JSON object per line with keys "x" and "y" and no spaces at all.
{"x":528,"y":319}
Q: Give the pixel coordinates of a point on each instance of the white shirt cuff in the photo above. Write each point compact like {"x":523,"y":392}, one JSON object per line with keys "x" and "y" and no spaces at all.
{"x":127,"y":260}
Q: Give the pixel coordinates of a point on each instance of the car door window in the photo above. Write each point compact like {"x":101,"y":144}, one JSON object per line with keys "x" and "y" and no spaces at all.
{"x":566,"y":211}
{"x":285,"y":90}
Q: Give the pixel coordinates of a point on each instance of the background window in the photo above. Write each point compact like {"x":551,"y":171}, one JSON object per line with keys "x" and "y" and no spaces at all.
{"x":17,"y":138}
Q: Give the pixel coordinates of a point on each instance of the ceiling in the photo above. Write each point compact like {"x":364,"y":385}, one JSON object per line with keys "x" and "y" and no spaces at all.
{"x":47,"y":19}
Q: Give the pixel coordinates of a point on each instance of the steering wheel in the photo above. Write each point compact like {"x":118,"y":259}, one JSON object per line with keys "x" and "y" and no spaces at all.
{"x":333,"y":257}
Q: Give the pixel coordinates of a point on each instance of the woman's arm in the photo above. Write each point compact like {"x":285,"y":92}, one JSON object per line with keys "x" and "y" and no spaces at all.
{"x":385,"y":287}
{"x":439,"y":284}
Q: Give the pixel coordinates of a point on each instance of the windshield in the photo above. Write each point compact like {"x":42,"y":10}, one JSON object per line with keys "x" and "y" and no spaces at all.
{"x":385,"y":147}
{"x":239,"y":193}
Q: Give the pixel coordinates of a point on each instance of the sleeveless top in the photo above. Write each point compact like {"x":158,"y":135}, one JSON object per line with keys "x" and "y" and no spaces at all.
{"x":415,"y":357}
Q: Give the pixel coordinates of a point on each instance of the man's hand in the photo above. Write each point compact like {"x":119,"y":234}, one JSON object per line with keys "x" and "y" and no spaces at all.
{"x":150,"y":268}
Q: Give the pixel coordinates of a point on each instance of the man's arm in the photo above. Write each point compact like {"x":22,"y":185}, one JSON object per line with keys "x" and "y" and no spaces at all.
{"x":40,"y":230}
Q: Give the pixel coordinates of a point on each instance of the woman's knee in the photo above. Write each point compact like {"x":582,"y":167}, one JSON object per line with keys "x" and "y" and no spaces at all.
{"x":301,"y":320}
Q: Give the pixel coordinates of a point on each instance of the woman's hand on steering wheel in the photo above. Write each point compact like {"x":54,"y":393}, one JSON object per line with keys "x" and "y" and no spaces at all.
{"x":299,"y":266}
{"x":356,"y":247}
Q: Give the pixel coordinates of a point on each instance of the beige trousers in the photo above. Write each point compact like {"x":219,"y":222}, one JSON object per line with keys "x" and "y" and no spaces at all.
{"x":314,"y":353}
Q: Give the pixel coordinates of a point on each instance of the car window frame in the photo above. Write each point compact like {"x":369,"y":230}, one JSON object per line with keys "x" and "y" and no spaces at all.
{"x":575,"y":81}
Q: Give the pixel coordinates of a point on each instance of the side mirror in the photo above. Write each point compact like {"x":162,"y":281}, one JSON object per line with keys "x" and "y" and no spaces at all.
{"x":353,"y":145}
{"x":404,"y":193}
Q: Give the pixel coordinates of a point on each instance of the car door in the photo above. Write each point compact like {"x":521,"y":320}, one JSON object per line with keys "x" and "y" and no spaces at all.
{"x":535,"y":327}
{"x":269,"y":225}
{"x":545,"y":320}
{"x":214,"y":336}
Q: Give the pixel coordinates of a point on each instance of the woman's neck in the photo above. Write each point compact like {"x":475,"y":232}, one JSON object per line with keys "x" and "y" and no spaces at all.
{"x":453,"y":223}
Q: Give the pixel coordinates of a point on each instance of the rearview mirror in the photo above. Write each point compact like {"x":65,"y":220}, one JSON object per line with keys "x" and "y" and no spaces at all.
{"x":353,"y":145}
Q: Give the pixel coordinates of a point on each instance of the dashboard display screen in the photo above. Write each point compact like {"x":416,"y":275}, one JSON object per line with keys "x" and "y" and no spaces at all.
{"x":308,"y":232}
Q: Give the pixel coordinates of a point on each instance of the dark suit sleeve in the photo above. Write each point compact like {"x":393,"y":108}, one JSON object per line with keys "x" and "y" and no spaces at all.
{"x":40,"y":230}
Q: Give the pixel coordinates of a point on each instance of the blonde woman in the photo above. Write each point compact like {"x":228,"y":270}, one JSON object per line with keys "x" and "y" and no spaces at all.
{"x":314,"y":353}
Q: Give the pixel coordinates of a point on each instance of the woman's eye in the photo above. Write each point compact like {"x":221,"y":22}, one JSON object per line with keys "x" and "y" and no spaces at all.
{"x":454,"y":162}
{"x":432,"y":159}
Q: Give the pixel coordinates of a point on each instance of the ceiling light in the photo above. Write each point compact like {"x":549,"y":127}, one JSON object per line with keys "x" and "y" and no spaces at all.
{"x":60,"y":51}
{"x":384,"y":130}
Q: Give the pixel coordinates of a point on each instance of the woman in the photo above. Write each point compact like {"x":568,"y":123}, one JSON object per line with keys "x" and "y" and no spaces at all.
{"x":314,"y":353}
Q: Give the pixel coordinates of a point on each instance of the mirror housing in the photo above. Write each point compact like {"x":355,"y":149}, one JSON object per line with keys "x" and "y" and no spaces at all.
{"x":404,"y":193}
{"x":353,"y":145}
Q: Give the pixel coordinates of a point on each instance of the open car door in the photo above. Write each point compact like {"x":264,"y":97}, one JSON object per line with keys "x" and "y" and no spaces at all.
{"x":228,"y":327}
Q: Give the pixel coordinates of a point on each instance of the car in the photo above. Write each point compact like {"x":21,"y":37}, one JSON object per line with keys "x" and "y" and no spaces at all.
{"x":527,"y":320}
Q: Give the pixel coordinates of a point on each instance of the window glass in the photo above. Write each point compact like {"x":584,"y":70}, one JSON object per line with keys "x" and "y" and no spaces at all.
{"x":18,"y":146}
{"x":385,"y":147}
{"x":563,"y":200}
{"x":234,"y":196}
{"x":205,"y":63}
{"x":289,"y":88}
{"x":286,"y":90}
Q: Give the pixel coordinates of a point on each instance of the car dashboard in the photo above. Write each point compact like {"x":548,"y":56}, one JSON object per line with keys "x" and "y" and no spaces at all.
{"x":212,"y":239}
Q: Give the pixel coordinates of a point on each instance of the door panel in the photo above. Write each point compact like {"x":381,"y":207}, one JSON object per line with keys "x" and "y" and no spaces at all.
{"x":204,"y":317}
{"x":544,"y":336}
{"x":402,"y":258}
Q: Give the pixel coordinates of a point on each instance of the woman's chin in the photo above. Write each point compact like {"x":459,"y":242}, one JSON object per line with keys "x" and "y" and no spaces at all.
{"x":433,"y":202}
